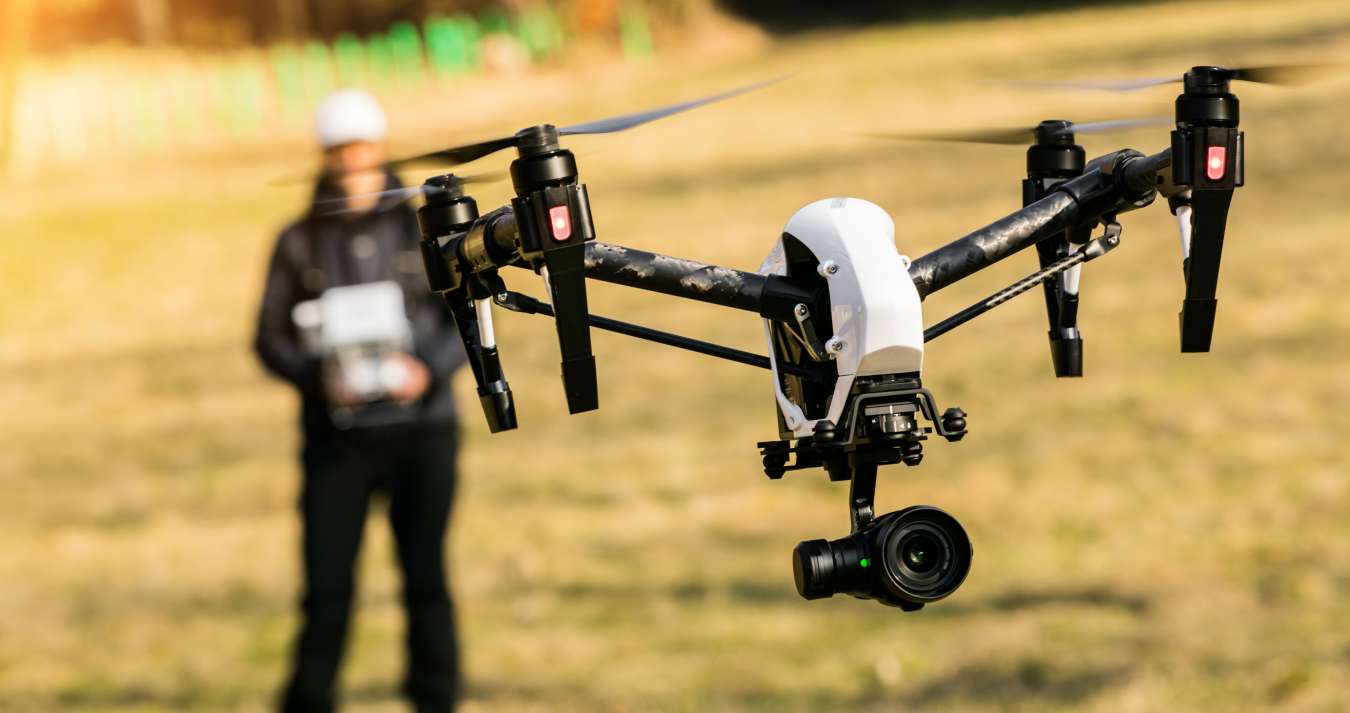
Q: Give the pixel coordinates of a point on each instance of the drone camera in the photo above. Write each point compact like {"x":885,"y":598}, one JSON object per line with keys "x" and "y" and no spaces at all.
{"x":904,"y":559}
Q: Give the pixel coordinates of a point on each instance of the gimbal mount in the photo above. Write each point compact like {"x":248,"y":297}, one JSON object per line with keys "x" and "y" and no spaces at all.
{"x":841,"y":308}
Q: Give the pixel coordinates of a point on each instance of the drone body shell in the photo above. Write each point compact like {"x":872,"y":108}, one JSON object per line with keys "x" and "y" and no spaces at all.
{"x":875,"y":310}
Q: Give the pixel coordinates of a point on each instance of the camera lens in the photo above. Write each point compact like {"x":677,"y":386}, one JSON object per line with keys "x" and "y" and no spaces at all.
{"x":906,"y":559}
{"x":925,"y":553}
{"x":920,"y":552}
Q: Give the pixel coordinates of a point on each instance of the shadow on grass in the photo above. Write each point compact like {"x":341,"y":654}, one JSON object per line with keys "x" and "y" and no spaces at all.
{"x":102,"y":696}
{"x":687,"y":591}
{"x":97,"y":695}
{"x":1025,"y":684}
{"x":1024,"y":680}
{"x":756,"y":591}
{"x":780,"y":593}
{"x":369,"y":693}
{"x":1099,"y":596}
{"x":497,"y":693}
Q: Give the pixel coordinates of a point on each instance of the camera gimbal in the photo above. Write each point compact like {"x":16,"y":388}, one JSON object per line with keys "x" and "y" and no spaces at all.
{"x":841,"y":307}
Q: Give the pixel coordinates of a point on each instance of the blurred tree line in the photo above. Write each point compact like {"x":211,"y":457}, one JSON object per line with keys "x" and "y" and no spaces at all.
{"x":62,"y":24}
{"x":229,"y":23}
{"x":80,"y":78}
{"x":794,"y":15}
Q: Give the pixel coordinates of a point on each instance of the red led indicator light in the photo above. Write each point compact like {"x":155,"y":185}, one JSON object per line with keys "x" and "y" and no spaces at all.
{"x":1216,"y":163}
{"x":561,"y":223}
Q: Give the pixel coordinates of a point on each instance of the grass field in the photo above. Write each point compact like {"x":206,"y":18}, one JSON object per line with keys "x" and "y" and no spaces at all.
{"x":1171,"y":533}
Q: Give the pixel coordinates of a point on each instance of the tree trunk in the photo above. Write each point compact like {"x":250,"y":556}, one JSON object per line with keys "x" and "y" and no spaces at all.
{"x":152,"y":21}
{"x":14,"y":31}
{"x":294,"y":18}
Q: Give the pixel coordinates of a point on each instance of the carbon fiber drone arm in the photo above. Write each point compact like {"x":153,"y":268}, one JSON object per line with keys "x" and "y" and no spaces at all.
{"x":767,"y":295}
{"x":1114,"y":183}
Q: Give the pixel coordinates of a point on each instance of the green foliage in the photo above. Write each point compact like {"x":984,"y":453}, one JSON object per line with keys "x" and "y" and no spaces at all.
{"x":494,"y":21}
{"x":405,"y":44}
{"x":349,"y":56}
{"x":539,"y":29}
{"x":289,"y":77}
{"x":452,"y":43}
{"x":635,"y":31}
{"x":381,"y":61}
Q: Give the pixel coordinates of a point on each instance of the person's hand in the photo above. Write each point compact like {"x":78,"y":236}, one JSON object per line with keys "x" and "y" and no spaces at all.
{"x":415,"y":383}
{"x":336,"y":388}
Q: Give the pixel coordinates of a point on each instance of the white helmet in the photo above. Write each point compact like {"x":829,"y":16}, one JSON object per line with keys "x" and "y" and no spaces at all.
{"x":349,"y":115}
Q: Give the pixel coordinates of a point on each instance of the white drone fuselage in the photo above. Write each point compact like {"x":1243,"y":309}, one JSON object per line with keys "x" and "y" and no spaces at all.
{"x":876,"y":315}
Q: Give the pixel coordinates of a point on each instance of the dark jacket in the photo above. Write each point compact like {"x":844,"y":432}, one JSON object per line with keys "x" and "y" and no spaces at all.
{"x":324,"y":250}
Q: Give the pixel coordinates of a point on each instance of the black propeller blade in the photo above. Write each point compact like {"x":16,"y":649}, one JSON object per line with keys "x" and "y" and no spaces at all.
{"x":628,"y":121}
{"x":1281,"y":74}
{"x":1023,"y":135}
{"x":311,"y":176}
{"x":453,"y":156}
{"x":457,"y":155}
{"x":1285,"y":75}
{"x":470,"y":152}
{"x":336,"y":205}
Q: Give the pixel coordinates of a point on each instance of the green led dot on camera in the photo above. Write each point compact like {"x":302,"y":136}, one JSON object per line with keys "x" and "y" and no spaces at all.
{"x":865,"y":562}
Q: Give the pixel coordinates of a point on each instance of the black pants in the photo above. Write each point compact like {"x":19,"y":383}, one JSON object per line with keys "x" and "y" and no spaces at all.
{"x":415,"y":465}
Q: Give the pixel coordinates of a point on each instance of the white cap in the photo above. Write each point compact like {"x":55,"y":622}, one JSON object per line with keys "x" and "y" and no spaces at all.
{"x":349,"y":115}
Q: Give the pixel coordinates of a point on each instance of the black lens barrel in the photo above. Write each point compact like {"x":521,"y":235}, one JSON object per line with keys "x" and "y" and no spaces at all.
{"x":822,"y":569}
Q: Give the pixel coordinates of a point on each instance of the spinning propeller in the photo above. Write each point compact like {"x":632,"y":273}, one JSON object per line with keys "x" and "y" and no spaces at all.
{"x":470,"y":152}
{"x":1280,"y":75}
{"x":449,"y":184}
{"x":457,"y":155}
{"x":1023,"y":135}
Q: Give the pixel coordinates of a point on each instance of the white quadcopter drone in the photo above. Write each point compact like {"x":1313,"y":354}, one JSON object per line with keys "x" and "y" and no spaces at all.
{"x":841,"y":306}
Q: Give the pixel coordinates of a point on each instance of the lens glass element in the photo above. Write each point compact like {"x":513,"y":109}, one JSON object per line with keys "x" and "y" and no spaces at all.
{"x":921,"y":552}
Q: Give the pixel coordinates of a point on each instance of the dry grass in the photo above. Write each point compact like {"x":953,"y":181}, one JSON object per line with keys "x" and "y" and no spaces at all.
{"x":1169,"y":533}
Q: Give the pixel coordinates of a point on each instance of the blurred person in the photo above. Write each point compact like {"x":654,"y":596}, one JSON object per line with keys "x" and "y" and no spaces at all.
{"x":408,"y":455}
